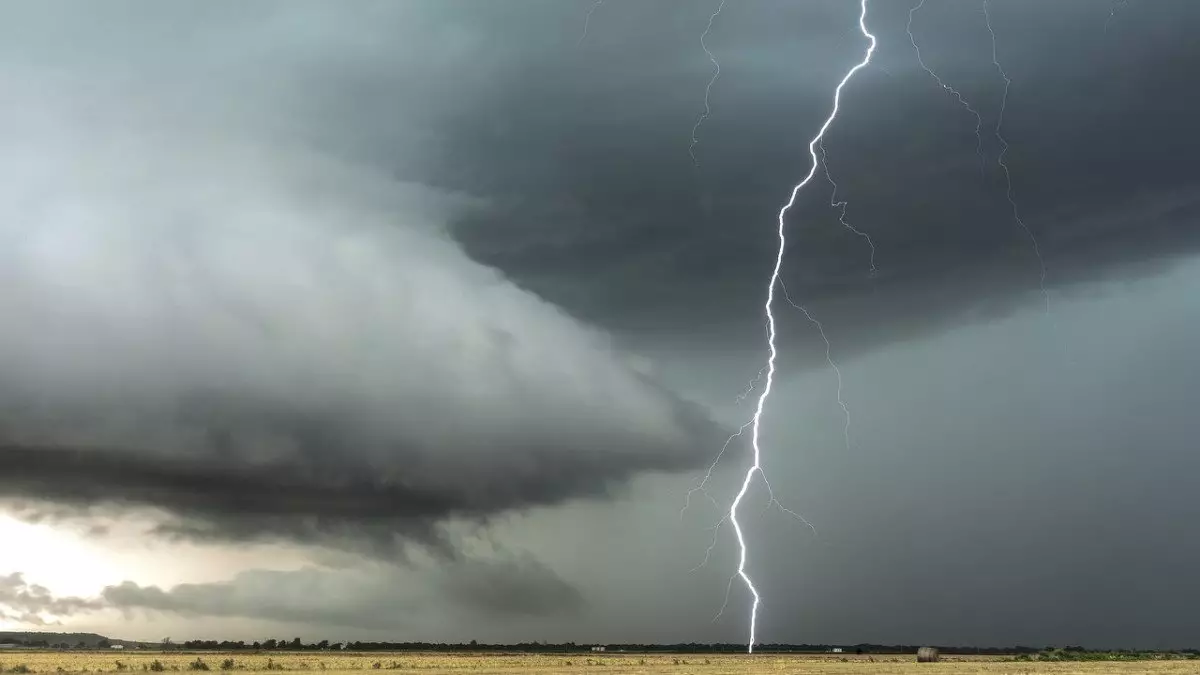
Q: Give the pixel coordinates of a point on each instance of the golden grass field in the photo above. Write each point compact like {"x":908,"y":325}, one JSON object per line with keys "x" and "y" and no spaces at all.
{"x":336,"y":663}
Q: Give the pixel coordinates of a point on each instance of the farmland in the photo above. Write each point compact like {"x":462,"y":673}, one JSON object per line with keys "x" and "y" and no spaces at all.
{"x":337,"y":663}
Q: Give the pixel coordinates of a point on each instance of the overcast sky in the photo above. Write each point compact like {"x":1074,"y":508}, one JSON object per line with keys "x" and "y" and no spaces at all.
{"x":417,"y":321}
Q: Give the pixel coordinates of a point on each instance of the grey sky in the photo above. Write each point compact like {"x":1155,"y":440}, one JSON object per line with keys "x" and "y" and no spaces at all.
{"x":431,"y":293}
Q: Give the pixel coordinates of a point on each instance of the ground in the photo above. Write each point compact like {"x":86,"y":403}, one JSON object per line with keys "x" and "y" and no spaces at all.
{"x":337,"y":663}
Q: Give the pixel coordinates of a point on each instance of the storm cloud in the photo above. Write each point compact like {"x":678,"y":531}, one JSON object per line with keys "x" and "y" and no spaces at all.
{"x":392,"y":272}
{"x":262,"y":341}
{"x":1098,"y":123}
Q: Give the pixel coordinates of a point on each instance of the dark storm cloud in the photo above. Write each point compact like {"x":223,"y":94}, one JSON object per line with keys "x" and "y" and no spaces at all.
{"x":580,"y":148}
{"x":218,"y":319}
{"x":330,"y":481}
{"x":1100,"y":127}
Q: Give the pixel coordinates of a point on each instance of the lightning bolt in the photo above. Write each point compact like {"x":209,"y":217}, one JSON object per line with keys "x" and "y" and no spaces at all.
{"x":587,"y":20}
{"x":1004,"y":146}
{"x":708,"y":88}
{"x":703,"y":484}
{"x":828,"y":359}
{"x":841,"y":206}
{"x":954,"y":92}
{"x":1016,"y":213}
{"x":756,"y":466}
{"x":750,"y":388}
{"x":1117,"y":6}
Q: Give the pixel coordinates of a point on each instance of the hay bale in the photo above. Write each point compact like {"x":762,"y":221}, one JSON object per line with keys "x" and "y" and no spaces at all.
{"x":927,"y":655}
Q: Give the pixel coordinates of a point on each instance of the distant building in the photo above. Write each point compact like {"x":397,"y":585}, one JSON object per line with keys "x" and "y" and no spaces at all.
{"x":7,"y":645}
{"x":117,"y":647}
{"x":836,"y":650}
{"x":598,"y":648}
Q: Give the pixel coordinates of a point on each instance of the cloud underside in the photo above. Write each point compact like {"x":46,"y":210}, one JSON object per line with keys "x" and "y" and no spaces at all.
{"x":695,"y":250}
{"x":216,"y":499}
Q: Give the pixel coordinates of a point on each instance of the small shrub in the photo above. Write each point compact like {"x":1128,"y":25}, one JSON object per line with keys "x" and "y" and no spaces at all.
{"x":228,"y":664}
{"x":198,"y":664}
{"x":157,"y":666}
{"x":121,"y":666}
{"x":20,"y":668}
{"x":377,"y":665}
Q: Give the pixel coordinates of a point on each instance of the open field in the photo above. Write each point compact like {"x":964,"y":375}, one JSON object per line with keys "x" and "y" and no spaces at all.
{"x":337,"y":663}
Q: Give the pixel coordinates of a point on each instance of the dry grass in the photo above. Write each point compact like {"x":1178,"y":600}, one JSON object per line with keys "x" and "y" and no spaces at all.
{"x":336,"y":663}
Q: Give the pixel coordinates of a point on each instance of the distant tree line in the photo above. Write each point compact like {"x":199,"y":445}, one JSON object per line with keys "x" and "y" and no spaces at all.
{"x":296,"y":644}
{"x":1023,"y":653}
{"x":46,"y":644}
{"x":1081,"y":654}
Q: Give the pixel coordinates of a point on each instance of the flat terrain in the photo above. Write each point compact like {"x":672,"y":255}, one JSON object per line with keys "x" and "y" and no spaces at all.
{"x":338,"y":663}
